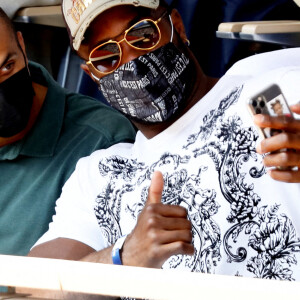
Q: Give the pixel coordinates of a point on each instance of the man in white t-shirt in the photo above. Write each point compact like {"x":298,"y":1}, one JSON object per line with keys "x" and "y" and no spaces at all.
{"x":191,"y":192}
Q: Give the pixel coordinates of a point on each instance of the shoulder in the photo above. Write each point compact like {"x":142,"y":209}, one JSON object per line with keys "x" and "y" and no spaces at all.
{"x":256,"y":64}
{"x":84,"y":112}
{"x":287,"y":78}
{"x":91,"y":163}
{"x":88,"y":112}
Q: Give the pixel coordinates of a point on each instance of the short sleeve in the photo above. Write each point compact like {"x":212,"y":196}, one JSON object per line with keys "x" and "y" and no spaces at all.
{"x":74,"y":212}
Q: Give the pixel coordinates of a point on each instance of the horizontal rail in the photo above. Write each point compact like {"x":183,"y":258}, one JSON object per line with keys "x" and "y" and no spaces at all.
{"x":113,"y":280}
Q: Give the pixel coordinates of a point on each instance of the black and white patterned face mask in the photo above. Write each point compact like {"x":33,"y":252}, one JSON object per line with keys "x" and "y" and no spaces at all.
{"x":150,"y":88}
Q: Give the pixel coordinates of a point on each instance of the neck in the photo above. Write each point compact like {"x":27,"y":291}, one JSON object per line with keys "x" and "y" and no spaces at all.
{"x":202,"y":85}
{"x":37,"y":103}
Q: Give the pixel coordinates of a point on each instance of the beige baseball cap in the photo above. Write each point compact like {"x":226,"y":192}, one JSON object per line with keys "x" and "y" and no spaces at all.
{"x":79,"y":14}
{"x":297,"y":2}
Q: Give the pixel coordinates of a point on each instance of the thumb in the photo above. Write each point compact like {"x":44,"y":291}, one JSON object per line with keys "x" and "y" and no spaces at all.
{"x":156,"y":188}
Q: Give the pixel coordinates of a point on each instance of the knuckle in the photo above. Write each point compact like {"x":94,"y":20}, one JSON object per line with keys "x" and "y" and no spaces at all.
{"x":153,"y":235}
{"x":191,"y":250}
{"x":151,"y":222}
{"x":181,"y":246}
{"x":182,"y":211}
{"x":186,"y":225}
{"x":179,"y":210}
{"x":154,"y":253}
{"x":185,"y":248}
{"x":284,"y":157}
{"x":189,"y":236}
{"x":189,"y":226}
{"x":285,"y":138}
{"x":151,"y":208}
{"x":293,"y":177}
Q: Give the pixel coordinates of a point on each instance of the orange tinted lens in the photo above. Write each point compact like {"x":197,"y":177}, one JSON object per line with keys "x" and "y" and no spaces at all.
{"x":143,"y":35}
{"x":106,"y":58}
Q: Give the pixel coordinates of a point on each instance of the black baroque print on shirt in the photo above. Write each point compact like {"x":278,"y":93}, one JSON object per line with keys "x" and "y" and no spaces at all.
{"x":179,"y":189}
{"x":270,"y":235}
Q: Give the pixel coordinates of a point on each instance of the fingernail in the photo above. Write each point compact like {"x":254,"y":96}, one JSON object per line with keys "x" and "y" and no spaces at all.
{"x":258,"y":149}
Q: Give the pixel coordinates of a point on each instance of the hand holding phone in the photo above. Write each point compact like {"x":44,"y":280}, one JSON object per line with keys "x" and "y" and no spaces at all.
{"x":282,"y":152}
{"x":271,"y":102}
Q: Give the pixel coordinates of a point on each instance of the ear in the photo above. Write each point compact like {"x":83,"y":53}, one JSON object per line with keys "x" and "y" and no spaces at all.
{"x":86,"y":70}
{"x":178,"y":24}
{"x":21,"y":41}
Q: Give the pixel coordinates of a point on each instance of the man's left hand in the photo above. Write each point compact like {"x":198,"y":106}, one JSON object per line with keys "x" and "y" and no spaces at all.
{"x":283,"y":149}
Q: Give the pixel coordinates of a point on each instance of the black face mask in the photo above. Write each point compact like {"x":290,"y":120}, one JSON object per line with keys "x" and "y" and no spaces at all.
{"x":152,"y":87}
{"x":16,"y":96}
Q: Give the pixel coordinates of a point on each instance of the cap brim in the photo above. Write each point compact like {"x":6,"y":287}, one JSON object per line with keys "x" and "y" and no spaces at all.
{"x":78,"y":29}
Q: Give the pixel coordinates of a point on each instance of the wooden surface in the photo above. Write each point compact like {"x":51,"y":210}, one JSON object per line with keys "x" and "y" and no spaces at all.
{"x":137,"y":282}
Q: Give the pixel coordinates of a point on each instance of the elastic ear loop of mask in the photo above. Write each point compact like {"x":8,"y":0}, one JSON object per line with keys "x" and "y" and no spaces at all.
{"x":172,"y":33}
{"x":26,"y":64}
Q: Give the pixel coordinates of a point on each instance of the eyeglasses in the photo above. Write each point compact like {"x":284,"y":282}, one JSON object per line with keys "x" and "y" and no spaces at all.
{"x":106,"y":58}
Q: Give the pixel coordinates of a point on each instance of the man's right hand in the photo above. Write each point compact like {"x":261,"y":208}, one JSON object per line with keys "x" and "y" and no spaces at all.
{"x":161,"y":231}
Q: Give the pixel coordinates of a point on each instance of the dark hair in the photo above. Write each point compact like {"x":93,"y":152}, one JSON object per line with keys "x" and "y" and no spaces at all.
{"x":163,"y":3}
{"x":8,"y":23}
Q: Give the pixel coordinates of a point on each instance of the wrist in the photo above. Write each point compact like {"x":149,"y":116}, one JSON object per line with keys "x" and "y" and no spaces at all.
{"x":117,"y":251}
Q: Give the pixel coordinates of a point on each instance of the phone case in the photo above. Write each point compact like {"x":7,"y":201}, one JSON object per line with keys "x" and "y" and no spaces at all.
{"x":270,"y":101}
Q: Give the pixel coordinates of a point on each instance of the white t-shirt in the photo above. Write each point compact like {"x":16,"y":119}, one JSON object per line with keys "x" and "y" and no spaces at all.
{"x":244,"y":223}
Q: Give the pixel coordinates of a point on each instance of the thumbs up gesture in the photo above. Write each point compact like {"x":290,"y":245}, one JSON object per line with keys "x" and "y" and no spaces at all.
{"x":161,"y":231}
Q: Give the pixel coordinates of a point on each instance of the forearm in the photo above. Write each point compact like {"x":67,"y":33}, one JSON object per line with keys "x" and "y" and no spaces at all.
{"x":102,"y":256}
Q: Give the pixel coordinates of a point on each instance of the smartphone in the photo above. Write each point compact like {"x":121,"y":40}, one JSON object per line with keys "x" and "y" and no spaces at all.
{"x":272,"y":102}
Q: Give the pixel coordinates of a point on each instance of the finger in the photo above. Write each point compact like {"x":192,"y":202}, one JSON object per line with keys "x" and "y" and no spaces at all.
{"x":175,"y":224}
{"x":296,"y":108}
{"x":177,"y":248}
{"x":282,"y":122}
{"x":167,"y":237}
{"x":282,"y":159}
{"x":285,"y":176}
{"x":280,"y":141}
{"x":159,"y":254}
{"x":169,"y":223}
{"x":169,"y":211}
{"x":156,"y":188}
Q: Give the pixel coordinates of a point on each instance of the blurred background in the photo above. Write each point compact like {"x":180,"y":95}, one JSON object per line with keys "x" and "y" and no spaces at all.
{"x":47,"y":40}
